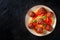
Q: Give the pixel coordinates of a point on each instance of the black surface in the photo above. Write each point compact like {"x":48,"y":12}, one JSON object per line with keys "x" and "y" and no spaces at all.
{"x":12,"y":17}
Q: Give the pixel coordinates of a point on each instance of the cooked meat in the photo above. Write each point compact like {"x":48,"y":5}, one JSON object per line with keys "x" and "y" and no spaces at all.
{"x":48,"y":28}
{"x":40,"y":21}
{"x":31,"y":25}
{"x":31,"y":14}
{"x":39,"y":30}
{"x":42,"y":11}
{"x":49,"y":14}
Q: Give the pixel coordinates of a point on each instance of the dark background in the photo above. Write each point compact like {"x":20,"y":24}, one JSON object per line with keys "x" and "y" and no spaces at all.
{"x":12,"y":17}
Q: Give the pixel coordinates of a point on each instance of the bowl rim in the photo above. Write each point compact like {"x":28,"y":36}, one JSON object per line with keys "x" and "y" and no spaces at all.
{"x":54,"y":22}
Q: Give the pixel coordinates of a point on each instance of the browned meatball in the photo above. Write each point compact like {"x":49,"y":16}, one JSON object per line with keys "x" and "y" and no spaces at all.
{"x":31,"y":26}
{"x":49,"y":14}
{"x":31,"y":14}
{"x":48,"y":28}
{"x":42,"y":11}
{"x":40,"y":21}
{"x":39,"y":30}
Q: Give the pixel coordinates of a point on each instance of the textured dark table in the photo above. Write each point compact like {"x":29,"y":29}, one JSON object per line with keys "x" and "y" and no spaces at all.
{"x":12,"y":17}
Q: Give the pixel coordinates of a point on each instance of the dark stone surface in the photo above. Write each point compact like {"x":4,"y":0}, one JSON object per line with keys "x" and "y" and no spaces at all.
{"x":12,"y":17}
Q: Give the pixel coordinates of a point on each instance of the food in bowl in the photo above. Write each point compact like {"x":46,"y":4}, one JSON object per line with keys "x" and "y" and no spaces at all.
{"x":41,"y":20}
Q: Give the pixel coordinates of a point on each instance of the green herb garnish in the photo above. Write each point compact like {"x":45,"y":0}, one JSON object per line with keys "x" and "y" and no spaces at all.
{"x":44,"y":17}
{"x":34,"y":20}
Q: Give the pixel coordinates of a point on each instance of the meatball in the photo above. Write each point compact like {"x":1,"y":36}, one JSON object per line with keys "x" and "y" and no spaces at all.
{"x":42,"y":11}
{"x":39,"y":30}
{"x":31,"y":26}
{"x":31,"y":14}
{"x":48,"y":28}
{"x":49,"y":14}
{"x":40,"y":21}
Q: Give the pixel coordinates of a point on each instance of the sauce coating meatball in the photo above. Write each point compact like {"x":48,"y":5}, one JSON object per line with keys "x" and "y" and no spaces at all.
{"x":31,"y":14}
{"x":42,"y":11}
{"x":39,"y":30}
{"x":40,"y":21}
{"x":31,"y":26}
{"x":48,"y":28}
{"x":49,"y":14}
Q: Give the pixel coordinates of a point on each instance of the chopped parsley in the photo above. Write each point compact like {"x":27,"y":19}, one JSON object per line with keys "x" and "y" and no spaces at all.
{"x":34,"y":20}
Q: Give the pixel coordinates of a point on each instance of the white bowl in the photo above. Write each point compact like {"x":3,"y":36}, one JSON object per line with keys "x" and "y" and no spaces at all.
{"x":27,"y":17}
